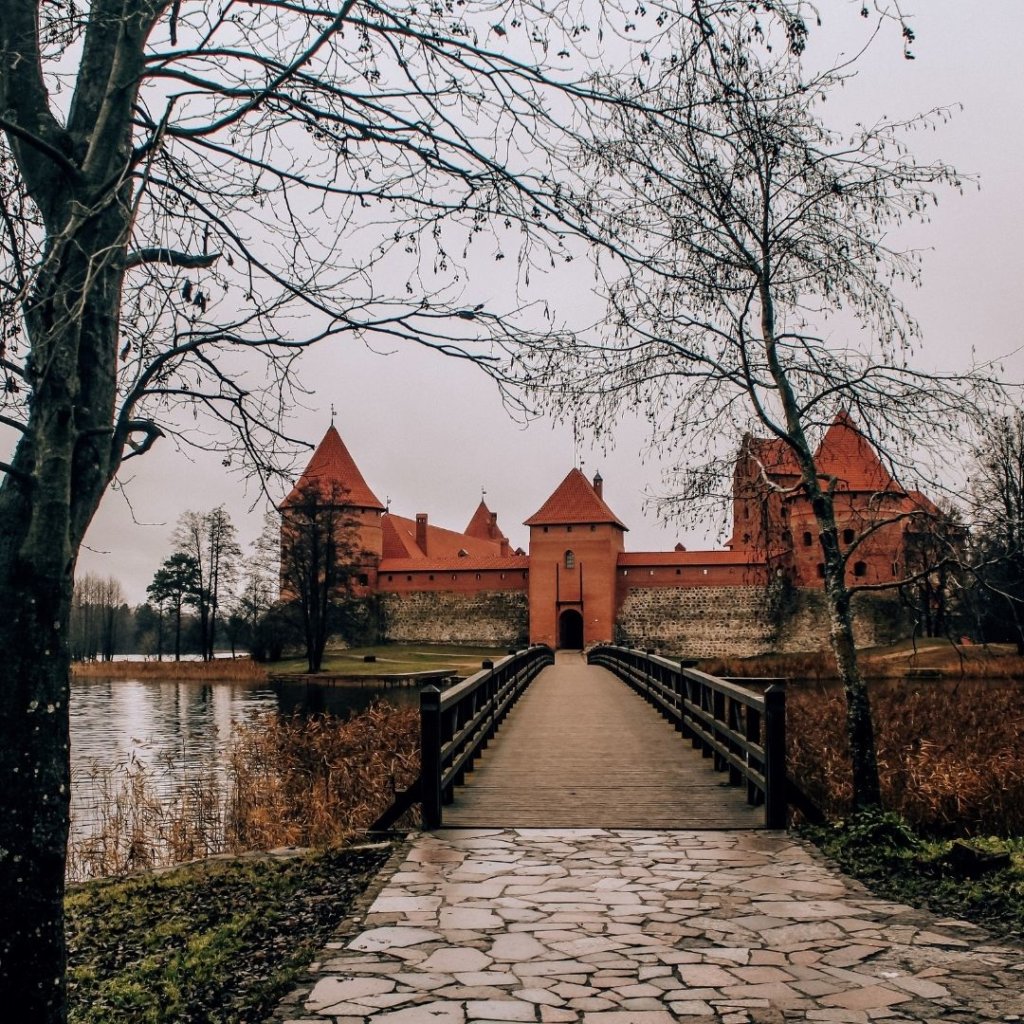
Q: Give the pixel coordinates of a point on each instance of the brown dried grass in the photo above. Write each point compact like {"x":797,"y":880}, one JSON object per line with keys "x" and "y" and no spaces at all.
{"x":316,"y":781}
{"x":960,"y":661}
{"x":951,"y":754}
{"x":296,"y":782}
{"x":243,"y":670}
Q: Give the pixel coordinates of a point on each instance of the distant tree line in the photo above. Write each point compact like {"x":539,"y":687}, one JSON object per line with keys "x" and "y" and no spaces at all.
{"x":210,"y":596}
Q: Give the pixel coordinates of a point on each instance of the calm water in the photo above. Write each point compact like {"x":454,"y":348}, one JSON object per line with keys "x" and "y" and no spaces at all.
{"x":178,"y":731}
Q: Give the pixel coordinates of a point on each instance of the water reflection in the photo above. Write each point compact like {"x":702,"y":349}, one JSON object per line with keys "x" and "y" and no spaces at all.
{"x":180,"y":731}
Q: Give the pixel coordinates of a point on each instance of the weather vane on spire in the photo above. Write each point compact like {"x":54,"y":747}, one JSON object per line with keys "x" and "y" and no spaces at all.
{"x":332,"y":414}
{"x":483,"y":492}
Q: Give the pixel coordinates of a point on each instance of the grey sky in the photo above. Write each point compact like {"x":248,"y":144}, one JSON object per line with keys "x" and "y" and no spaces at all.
{"x":429,"y":433}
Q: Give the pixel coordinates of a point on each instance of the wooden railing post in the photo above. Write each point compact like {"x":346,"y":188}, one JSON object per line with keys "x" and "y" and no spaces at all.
{"x":775,"y":757}
{"x":430,"y":755}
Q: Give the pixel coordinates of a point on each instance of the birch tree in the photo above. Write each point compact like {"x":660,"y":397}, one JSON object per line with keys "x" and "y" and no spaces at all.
{"x":756,"y":288}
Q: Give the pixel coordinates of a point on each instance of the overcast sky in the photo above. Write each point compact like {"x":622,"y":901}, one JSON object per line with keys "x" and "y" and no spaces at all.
{"x":430,"y":434}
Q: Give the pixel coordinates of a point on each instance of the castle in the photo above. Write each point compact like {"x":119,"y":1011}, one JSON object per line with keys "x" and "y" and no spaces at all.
{"x":577,"y":584}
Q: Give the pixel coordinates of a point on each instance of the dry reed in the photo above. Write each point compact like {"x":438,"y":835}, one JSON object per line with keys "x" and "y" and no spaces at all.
{"x":315,"y":781}
{"x":951,"y":754}
{"x":243,"y":670}
{"x":297,"y":782}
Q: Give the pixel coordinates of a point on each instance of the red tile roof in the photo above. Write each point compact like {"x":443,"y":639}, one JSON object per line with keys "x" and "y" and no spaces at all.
{"x":774,"y":454}
{"x":471,"y":563}
{"x":574,"y":501}
{"x":400,"y":541}
{"x":332,"y":465}
{"x":922,"y":503}
{"x":681,"y":558}
{"x":846,"y":454}
{"x":484,"y":525}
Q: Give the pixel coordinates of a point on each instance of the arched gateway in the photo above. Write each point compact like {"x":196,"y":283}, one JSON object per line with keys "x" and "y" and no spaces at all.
{"x":570,"y":630}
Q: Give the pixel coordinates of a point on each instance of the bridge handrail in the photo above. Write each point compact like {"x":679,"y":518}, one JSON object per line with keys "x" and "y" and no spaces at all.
{"x":456,"y":725}
{"x":742,"y":731}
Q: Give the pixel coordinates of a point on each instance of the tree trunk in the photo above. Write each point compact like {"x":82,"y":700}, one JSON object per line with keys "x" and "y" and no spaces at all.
{"x":35,"y":612}
{"x":177,"y":631}
{"x":859,"y":727}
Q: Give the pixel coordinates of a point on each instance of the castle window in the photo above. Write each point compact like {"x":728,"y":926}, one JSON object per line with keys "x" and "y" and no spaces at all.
{"x":593,"y":527}
{"x":568,"y":529}
{"x":570,"y":559}
{"x":848,"y":536}
{"x":679,"y":572}
{"x":545,"y":529}
{"x":524,"y":575}
{"x":787,"y":537}
{"x":431,"y":577}
{"x":651,"y":573}
{"x":860,"y":568}
{"x":478,"y":575}
{"x":454,"y":576}
{"x":364,"y":580}
{"x":808,"y":539}
{"x":390,"y":577}
{"x":821,"y":570}
{"x":625,"y":572}
{"x":746,"y":538}
{"x":502,"y":575}
{"x":408,"y":579}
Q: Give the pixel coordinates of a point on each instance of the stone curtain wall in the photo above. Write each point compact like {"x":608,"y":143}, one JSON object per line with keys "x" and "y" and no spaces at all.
{"x":878,"y":619}
{"x":711,"y":622}
{"x":498,"y":618}
{"x":698,"y":622}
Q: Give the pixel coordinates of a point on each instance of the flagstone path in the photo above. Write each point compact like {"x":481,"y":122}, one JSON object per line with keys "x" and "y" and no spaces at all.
{"x":647,"y":927}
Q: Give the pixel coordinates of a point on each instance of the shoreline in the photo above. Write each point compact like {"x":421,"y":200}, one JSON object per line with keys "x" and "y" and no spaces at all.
{"x":232,"y":670}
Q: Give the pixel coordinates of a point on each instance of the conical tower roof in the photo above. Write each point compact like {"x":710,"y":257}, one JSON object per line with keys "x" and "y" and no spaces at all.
{"x":333,"y":467}
{"x":574,"y":501}
{"x":483,"y":525}
{"x":846,"y":454}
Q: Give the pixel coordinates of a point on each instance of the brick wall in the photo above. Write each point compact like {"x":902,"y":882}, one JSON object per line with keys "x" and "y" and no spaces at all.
{"x":496,"y":617}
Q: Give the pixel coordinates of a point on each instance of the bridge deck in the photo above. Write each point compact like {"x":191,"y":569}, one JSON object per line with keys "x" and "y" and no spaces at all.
{"x":581,"y":750}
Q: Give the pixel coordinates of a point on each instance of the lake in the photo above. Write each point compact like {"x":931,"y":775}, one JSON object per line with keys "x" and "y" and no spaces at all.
{"x":179,"y":732}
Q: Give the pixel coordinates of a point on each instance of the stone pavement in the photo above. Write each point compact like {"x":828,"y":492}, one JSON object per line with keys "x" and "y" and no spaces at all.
{"x":643,"y":927}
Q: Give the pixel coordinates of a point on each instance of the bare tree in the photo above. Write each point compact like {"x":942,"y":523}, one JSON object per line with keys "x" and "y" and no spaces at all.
{"x":208,"y":538}
{"x":745,"y":226}
{"x":320,"y":557}
{"x":996,"y":565}
{"x":192,"y":194}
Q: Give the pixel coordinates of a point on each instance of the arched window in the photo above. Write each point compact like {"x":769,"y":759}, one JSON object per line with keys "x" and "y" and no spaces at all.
{"x":570,"y":560}
{"x":821,"y":570}
{"x":860,"y":568}
{"x":808,"y":539}
{"x":848,"y":536}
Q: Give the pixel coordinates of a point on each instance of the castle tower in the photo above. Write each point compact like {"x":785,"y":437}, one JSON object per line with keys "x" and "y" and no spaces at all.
{"x":333,"y":471}
{"x":575,"y":541}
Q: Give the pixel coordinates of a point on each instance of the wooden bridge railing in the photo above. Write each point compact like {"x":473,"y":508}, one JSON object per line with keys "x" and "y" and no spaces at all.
{"x":743,"y":732}
{"x":456,"y":724}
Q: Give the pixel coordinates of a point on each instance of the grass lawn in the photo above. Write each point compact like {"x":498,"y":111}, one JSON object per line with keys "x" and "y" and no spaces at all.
{"x":218,"y":942}
{"x":896,"y":861}
{"x":395,"y":658}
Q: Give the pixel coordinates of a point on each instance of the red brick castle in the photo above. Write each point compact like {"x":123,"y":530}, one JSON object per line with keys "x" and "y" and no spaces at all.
{"x":578,"y":585}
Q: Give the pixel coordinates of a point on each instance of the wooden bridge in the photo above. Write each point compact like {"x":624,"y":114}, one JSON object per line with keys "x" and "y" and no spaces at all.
{"x":625,"y":741}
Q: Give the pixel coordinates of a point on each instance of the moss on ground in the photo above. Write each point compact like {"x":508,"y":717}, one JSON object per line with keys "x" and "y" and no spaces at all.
{"x":219,"y":942}
{"x":894,"y":860}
